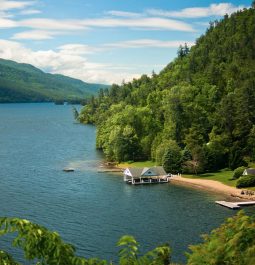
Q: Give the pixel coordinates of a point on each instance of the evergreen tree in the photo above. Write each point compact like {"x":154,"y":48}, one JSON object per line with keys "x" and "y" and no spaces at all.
{"x":204,"y":100}
{"x":172,"y":159}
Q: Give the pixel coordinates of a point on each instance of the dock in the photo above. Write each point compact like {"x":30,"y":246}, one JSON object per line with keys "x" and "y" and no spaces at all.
{"x":235,"y":205}
{"x":230,"y":205}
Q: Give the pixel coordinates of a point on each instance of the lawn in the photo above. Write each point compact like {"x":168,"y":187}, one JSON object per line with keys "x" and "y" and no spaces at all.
{"x":223,"y":176}
{"x":137,"y":164}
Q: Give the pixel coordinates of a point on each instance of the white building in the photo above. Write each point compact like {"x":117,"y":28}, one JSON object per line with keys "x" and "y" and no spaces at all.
{"x":146,"y":175}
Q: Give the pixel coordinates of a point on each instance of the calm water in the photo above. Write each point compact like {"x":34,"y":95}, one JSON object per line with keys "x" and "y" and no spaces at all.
{"x":90,"y":210}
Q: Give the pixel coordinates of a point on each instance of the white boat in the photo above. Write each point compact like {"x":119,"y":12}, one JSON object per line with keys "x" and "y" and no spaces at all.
{"x":68,"y":169}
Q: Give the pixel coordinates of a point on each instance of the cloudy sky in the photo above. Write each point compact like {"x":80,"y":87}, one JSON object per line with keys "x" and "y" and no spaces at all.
{"x":104,"y":41}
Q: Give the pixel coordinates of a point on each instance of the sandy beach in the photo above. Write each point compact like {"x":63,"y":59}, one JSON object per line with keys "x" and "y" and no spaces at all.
{"x":212,"y":185}
{"x":204,"y":184}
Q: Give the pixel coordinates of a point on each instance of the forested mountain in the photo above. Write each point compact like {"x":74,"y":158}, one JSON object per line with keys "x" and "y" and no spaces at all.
{"x":197,"y":114}
{"x":26,"y":83}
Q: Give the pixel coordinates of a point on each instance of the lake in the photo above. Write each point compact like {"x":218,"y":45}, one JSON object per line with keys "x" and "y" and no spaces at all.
{"x":91,"y":210}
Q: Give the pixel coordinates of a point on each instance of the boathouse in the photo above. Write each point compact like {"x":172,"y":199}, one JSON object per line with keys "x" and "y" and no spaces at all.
{"x":146,"y":175}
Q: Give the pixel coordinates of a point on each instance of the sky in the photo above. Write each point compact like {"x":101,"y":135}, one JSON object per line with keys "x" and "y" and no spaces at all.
{"x":104,"y":41}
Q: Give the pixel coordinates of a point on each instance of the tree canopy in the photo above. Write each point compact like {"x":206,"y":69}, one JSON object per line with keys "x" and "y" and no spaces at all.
{"x":204,"y":101}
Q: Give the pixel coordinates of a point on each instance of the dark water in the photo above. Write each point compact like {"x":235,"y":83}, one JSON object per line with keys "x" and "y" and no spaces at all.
{"x":90,"y":210}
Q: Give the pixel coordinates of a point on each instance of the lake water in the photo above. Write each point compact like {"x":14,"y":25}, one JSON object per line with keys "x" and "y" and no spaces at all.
{"x":91,"y":210}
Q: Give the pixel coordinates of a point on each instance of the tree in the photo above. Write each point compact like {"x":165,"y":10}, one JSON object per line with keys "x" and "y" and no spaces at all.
{"x":232,"y":243}
{"x":238,"y":172}
{"x":40,"y":245}
{"x":204,"y":100}
{"x":47,"y":248}
{"x":251,"y":143}
{"x":183,"y":50}
{"x":75,"y":114}
{"x":129,"y":253}
{"x":172,"y":158}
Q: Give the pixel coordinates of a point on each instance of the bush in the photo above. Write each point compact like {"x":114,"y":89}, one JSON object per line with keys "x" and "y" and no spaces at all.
{"x":232,"y":243}
{"x":238,"y":172}
{"x":246,"y":181}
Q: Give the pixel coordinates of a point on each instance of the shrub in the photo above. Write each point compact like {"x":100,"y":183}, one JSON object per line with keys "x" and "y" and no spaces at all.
{"x":246,"y":181}
{"x":238,"y":172}
{"x":232,"y":243}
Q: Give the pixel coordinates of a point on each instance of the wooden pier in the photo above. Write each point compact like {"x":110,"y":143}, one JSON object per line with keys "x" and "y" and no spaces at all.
{"x":235,"y":205}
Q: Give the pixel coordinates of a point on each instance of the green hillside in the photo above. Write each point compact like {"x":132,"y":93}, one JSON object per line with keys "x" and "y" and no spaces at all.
{"x":26,"y":83}
{"x":198,"y":114}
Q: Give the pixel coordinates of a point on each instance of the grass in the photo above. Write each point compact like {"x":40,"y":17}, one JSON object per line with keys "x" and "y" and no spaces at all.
{"x":137,"y":164}
{"x":223,"y":176}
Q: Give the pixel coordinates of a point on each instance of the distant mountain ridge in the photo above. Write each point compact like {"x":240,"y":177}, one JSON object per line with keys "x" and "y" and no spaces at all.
{"x":21,"y":82}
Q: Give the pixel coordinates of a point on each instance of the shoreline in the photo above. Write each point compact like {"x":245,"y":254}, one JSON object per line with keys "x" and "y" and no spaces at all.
{"x":109,"y":167}
{"x":213,"y":186}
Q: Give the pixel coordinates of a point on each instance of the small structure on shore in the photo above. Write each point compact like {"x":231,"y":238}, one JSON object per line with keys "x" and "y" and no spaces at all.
{"x":249,"y":171}
{"x":146,"y":175}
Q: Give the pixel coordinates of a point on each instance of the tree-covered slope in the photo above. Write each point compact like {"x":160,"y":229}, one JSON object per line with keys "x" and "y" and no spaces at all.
{"x":197,"y":114}
{"x":26,"y":83}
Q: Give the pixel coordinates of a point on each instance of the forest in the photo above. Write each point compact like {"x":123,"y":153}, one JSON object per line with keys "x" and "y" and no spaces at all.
{"x":25,"y":83}
{"x":196,"y":115}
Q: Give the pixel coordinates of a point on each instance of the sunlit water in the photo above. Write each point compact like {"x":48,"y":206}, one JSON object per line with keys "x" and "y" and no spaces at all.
{"x":91,"y":210}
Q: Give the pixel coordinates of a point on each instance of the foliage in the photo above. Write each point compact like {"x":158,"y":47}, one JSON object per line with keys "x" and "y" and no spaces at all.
{"x":40,"y":245}
{"x":129,"y":253}
{"x":47,"y":248}
{"x":172,"y":158}
{"x":25,"y":83}
{"x":238,"y":172}
{"x":75,"y":114}
{"x":204,"y":101}
{"x":232,"y":243}
{"x":246,"y":181}
{"x":251,"y":143}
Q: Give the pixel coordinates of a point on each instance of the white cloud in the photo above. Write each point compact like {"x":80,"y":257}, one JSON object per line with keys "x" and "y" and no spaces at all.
{"x":63,"y":62}
{"x":144,"y":23}
{"x":34,"y":35}
{"x":196,"y":12}
{"x":143,"y":43}
{"x":6,"y":5}
{"x":77,"y":25}
{"x":123,"y":13}
{"x":7,"y":23}
{"x":76,"y":49}
{"x":51,"y":24}
{"x":30,"y":12}
{"x":119,"y":19}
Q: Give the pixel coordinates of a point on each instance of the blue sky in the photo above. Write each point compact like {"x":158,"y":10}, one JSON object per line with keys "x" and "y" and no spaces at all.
{"x":103,"y":41}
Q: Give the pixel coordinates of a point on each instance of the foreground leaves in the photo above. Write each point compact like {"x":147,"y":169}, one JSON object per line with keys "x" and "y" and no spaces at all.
{"x":45,"y":247}
{"x":40,"y":244}
{"x":233,"y":243}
